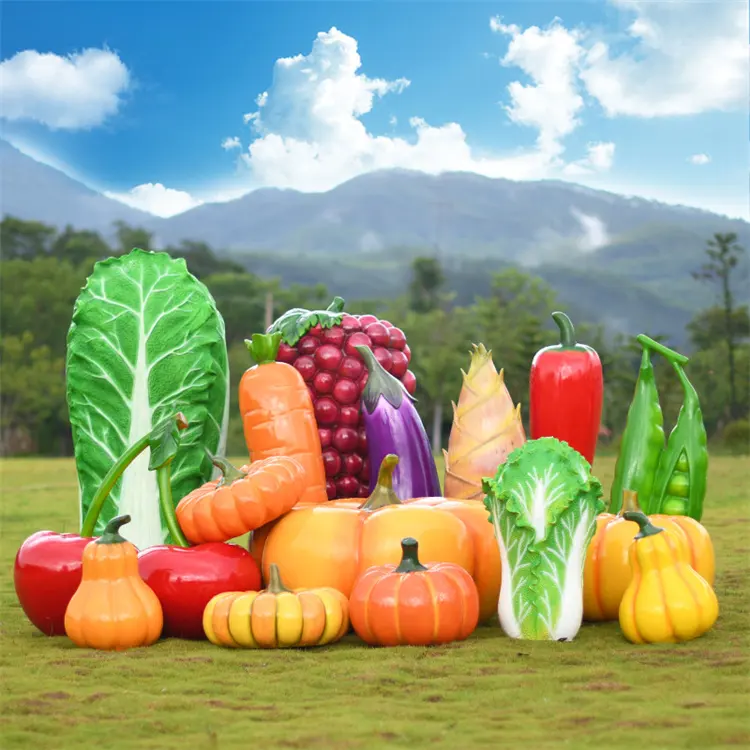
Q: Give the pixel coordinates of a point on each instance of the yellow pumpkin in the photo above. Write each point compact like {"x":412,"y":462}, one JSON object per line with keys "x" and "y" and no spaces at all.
{"x":276,"y":617}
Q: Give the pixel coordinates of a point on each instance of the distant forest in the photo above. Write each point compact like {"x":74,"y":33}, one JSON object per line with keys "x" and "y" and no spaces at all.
{"x":43,"y":270}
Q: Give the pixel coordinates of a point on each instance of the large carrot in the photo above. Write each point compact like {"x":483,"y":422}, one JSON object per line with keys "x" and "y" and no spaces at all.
{"x":278,"y":417}
{"x":486,"y":428}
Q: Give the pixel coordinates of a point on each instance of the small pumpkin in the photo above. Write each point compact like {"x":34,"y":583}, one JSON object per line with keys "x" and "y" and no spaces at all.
{"x":112,"y":608}
{"x":413,"y":604}
{"x":241,"y":500}
{"x":666,"y":600}
{"x":331,"y":544}
{"x":607,"y":571}
{"x":276,"y":617}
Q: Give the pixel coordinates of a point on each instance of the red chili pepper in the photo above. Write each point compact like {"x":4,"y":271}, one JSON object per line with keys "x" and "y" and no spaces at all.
{"x":566,"y":390}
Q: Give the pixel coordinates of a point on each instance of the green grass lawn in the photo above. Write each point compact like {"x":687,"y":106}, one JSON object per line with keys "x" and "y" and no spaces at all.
{"x":490,"y":691}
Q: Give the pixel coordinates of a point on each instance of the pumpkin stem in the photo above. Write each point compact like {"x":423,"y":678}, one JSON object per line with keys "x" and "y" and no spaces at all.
{"x":229,"y":473}
{"x":383,"y":494}
{"x":647,"y":528}
{"x":111,"y":534}
{"x":275,"y":584}
{"x":629,"y":502}
{"x":409,"y":557}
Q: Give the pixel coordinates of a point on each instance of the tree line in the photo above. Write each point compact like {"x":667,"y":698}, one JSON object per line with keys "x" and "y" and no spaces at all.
{"x":43,"y":270}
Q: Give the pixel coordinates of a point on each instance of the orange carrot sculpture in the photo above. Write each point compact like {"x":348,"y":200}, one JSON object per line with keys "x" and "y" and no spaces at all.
{"x":486,"y":428}
{"x":278,"y":417}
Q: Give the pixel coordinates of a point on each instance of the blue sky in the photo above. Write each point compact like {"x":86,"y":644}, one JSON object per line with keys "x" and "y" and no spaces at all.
{"x":162,"y":104}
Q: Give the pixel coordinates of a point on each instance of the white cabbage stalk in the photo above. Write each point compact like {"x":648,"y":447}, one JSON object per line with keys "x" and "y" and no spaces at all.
{"x":543,"y":504}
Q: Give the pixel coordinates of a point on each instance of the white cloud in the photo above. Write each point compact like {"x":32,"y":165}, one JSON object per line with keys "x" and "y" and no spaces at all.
{"x":68,"y":93}
{"x":230,"y":143}
{"x":595,"y":234}
{"x":600,"y":157}
{"x":157,"y":199}
{"x":549,"y":57}
{"x":686,"y":58}
{"x":310,"y":135}
{"x":699,"y":159}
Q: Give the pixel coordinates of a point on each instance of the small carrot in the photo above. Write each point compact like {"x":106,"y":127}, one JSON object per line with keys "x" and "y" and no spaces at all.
{"x":278,"y":417}
{"x":241,"y":500}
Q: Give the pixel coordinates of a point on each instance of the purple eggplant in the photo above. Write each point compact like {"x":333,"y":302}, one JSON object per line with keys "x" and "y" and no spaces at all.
{"x":393,"y":426}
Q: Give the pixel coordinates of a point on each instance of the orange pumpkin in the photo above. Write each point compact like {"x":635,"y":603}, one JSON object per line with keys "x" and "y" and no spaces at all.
{"x":112,"y":608}
{"x":331,"y":544}
{"x":607,"y":572}
{"x":412,"y":604}
{"x":241,"y":500}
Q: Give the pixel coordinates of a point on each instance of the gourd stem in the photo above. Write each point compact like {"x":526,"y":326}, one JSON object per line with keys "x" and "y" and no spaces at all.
{"x":275,"y":585}
{"x":629,"y":503}
{"x":646,"y":527}
{"x":409,"y":557}
{"x":111,"y":533}
{"x":567,"y":332}
{"x":383,"y":493}
{"x":109,"y":481}
{"x":164,"y":482}
{"x":229,"y":473}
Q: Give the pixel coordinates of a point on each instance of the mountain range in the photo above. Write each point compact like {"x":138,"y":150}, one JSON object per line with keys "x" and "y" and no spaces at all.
{"x":622,"y":261}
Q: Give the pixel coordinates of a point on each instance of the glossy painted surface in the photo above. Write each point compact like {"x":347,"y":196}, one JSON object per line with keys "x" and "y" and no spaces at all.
{"x":440,"y":605}
{"x":219,"y":512}
{"x":400,"y":431}
{"x":566,"y":391}
{"x":186,"y":579}
{"x":332,"y":544}
{"x":279,"y":420}
{"x":46,"y":574}
{"x":666,"y":601}
{"x":112,"y":609}
{"x":487,"y":573}
{"x":284,"y":620}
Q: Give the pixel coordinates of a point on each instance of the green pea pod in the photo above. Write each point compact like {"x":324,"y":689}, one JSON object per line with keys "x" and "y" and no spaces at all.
{"x":643,"y":439}
{"x":680,"y":484}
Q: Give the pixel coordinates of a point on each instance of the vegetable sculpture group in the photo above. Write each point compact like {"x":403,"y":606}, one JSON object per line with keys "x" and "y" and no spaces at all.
{"x":349,"y":527}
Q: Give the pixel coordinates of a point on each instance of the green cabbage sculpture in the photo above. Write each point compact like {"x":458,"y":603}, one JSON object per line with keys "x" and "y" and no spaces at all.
{"x":146,"y":341}
{"x":543,"y":503}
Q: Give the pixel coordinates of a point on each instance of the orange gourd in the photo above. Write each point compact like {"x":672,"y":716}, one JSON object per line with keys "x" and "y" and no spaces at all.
{"x":241,"y":500}
{"x":112,"y":609}
{"x":607,"y":571}
{"x":331,"y":544}
{"x":412,"y":604}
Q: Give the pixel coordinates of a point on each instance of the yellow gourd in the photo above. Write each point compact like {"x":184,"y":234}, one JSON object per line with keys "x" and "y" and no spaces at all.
{"x":112,"y":608}
{"x":276,"y":617}
{"x":666,"y":601}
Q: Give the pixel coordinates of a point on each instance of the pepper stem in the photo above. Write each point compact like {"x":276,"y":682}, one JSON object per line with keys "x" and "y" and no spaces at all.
{"x":164,"y":482}
{"x":264,"y":347}
{"x":111,"y":534}
{"x":229,"y":473}
{"x":629,"y":503}
{"x":109,"y":481}
{"x":567,"y":332}
{"x":275,"y":584}
{"x":665,"y":351}
{"x":646,"y":527}
{"x":383,"y":493}
{"x":409,"y":557}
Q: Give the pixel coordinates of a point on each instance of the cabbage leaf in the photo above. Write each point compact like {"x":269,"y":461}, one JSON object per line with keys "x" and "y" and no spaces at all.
{"x":543,"y":503}
{"x":146,"y":340}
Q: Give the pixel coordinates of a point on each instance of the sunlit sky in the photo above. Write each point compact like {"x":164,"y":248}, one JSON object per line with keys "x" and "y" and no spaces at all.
{"x":164,"y":105}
